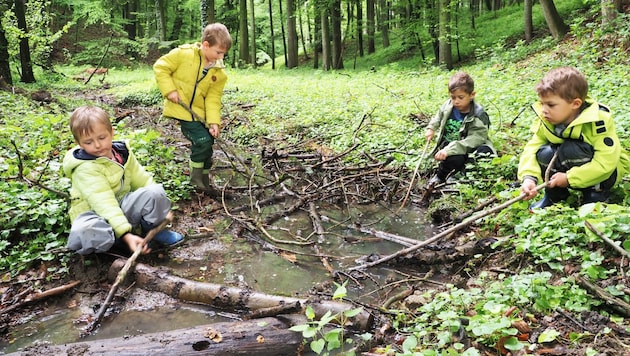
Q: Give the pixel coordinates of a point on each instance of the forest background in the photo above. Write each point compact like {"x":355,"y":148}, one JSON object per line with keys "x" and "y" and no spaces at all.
{"x":390,"y":66}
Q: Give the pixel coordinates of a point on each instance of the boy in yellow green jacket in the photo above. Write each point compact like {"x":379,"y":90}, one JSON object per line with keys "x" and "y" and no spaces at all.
{"x":581,"y":132}
{"x":111,"y":192}
{"x":192,"y":77}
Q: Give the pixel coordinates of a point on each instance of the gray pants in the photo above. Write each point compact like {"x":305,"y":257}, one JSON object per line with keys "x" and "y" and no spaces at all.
{"x":146,"y":206}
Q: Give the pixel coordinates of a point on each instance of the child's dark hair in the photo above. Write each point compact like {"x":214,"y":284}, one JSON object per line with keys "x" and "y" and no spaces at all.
{"x":83,"y":119}
{"x":217,"y":34}
{"x":565,"y":82}
{"x":463,"y":81}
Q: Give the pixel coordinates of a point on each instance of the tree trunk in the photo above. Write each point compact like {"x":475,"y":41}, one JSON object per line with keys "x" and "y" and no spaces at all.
{"x":5,"y":69}
{"x":208,"y":15}
{"x":160,"y":20}
{"x":264,"y":337}
{"x":317,"y":37}
{"x":556,"y":25}
{"x":529,"y":25}
{"x":129,"y":14}
{"x":445,"y":52}
{"x":177,"y":22}
{"x":325,"y":39}
{"x":272,"y":36}
{"x":224,"y":297}
{"x":292,"y":40}
{"x":252,"y":44}
{"x":359,"y":5}
{"x":371,"y":17}
{"x":302,"y":37}
{"x":610,"y":10}
{"x":284,"y":35}
{"x":383,"y":22}
{"x":337,"y":49}
{"x":25,"y":51}
{"x":243,"y":35}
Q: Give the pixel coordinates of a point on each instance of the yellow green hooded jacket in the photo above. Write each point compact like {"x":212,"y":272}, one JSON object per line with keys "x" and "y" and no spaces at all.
{"x":595,"y":126}
{"x":182,"y":69}
{"x":98,"y":184}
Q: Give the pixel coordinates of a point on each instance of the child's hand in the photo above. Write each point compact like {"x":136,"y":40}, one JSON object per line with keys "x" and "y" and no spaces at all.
{"x":428,"y":135}
{"x":529,"y":189}
{"x":134,"y":242}
{"x":173,"y":96}
{"x":558,"y":180}
{"x":214,"y":130}
{"x":441,"y":155}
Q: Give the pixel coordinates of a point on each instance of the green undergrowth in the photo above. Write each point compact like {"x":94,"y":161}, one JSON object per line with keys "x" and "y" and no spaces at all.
{"x":383,"y":113}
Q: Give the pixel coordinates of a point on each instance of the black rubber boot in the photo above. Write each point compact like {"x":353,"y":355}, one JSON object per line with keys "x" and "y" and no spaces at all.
{"x":552,"y":196}
{"x":590,"y":195}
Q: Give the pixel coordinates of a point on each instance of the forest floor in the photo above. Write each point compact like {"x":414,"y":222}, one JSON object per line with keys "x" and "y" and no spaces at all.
{"x":189,"y":217}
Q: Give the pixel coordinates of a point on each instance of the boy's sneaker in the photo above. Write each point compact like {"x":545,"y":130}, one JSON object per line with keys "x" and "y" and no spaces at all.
{"x":168,"y":238}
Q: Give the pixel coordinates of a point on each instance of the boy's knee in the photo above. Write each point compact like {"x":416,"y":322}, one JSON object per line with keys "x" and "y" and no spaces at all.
{"x":545,"y":154}
{"x":90,"y":233}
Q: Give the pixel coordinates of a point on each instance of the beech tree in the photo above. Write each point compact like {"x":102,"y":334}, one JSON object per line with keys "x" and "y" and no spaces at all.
{"x":556,"y":25}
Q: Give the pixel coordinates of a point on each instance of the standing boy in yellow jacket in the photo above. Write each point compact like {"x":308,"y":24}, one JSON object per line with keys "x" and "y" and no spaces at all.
{"x":193,"y":75}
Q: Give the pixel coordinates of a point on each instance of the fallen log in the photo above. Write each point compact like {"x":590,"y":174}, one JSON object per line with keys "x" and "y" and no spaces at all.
{"x":267,"y":336}
{"x":233,"y":298}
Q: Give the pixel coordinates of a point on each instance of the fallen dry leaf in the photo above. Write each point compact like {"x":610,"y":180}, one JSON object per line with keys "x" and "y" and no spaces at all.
{"x":213,"y":335}
{"x":289,"y":257}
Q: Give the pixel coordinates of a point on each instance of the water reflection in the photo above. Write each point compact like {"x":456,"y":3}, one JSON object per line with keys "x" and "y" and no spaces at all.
{"x":236,"y":262}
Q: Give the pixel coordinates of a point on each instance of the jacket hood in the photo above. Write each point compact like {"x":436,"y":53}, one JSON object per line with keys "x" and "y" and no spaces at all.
{"x":77,"y":156}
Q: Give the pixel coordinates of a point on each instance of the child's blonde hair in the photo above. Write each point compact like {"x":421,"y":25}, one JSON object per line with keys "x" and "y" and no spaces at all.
{"x":217,"y":34}
{"x":83,"y":119}
{"x":565,"y":82}
{"x":463,"y":81}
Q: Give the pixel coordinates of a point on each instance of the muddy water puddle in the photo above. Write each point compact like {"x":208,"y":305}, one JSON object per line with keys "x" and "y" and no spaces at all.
{"x":225,"y":260}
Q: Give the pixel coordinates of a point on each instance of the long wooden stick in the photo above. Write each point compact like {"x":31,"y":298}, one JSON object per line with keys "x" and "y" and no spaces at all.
{"x":446,"y":232}
{"x":612,"y":243}
{"x":123,"y":274}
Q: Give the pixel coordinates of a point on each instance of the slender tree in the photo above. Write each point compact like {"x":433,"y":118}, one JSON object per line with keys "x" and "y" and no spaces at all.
{"x":359,"y":5}
{"x":529,"y":24}
{"x":337,"y":49}
{"x":326,"y":57}
{"x":243,"y":33}
{"x":292,"y":40}
{"x":371,"y":21}
{"x":445,"y":57}
{"x":207,"y":12}
{"x":25,"y":51}
{"x":383,"y":22}
{"x":160,"y":19}
{"x":272,"y":36}
{"x":131,"y":20}
{"x":284,"y":35}
{"x":302,"y":37}
{"x":5,"y":69}
{"x":177,"y":22}
{"x":252,"y":23}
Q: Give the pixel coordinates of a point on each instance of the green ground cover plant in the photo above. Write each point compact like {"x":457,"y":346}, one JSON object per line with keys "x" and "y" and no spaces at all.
{"x":382,"y":110}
